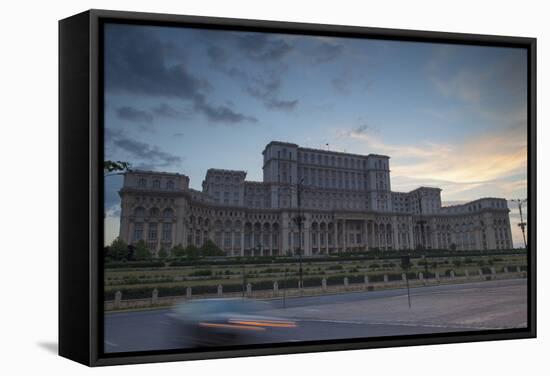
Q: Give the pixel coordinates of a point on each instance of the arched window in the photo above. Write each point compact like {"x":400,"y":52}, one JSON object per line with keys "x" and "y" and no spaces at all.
{"x":168,"y":213}
{"x":156,"y":183}
{"x":154,"y":212}
{"x":139,"y":212}
{"x":142,"y":183}
{"x":170,"y":184}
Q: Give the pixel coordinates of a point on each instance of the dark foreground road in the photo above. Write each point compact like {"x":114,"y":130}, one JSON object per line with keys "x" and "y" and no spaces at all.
{"x":435,"y":309}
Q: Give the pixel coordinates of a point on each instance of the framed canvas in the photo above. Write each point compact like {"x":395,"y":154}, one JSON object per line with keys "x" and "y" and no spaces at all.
{"x":235,"y":187}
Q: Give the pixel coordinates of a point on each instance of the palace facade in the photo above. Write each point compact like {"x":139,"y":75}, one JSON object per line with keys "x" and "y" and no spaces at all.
{"x":345,"y":202}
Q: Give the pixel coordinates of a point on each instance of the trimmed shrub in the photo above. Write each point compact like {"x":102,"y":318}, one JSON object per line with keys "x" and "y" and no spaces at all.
{"x":134,"y":264}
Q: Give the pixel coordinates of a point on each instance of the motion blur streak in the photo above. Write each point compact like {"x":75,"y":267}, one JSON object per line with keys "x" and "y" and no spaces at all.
{"x":230,"y":326}
{"x":276,"y":324}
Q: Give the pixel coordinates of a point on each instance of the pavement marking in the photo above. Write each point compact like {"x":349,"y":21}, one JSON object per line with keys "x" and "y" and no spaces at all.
{"x":401,"y":323}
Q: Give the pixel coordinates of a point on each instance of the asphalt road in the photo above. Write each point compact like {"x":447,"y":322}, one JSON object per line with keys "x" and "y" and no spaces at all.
{"x":434,"y":309}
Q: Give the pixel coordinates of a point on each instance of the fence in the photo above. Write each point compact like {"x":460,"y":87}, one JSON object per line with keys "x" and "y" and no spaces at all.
{"x":278,"y":288}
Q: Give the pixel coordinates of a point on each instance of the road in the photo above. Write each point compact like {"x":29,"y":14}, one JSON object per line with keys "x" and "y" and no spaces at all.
{"x":435,"y":309}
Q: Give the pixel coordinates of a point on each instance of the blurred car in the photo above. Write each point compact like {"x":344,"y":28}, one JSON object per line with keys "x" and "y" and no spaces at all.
{"x":219,"y":322}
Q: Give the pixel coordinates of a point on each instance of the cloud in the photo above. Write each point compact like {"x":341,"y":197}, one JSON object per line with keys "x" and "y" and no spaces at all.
{"x":267,"y":91}
{"x":167,"y":111}
{"x":134,"y":115}
{"x":136,"y":63}
{"x":222,"y":113}
{"x":326,"y":51}
{"x":465,"y":85}
{"x":143,"y":151}
{"x":138,"y":153}
{"x":500,"y":81}
{"x":263,"y":47}
{"x":217,"y":54}
{"x":113,"y":183}
{"x":488,"y":162}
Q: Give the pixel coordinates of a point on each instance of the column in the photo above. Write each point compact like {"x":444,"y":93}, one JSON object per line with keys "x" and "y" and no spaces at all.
{"x":130,"y":236}
{"x":180,"y":232}
{"x":411,"y":234}
{"x":395,"y":234}
{"x":435,"y":243}
{"x":173,"y":233}
{"x":366,"y":234}
{"x":479,"y":243}
{"x":271,"y":240}
{"x":146,"y":232}
{"x":319,"y":238}
{"x":344,"y":235}
{"x":379,"y":236}
{"x":261,"y":243}
{"x":242,"y":241}
{"x":284,"y":233}
{"x":326,"y":239}
{"x":291,"y":241}
{"x":336,"y":236}
{"x":232,"y":242}
{"x":306,"y":227}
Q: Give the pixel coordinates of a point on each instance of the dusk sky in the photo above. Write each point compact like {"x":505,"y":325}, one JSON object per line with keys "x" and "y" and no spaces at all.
{"x":185,"y":100}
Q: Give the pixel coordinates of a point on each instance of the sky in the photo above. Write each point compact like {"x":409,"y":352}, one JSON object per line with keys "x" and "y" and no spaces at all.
{"x":185,"y":100}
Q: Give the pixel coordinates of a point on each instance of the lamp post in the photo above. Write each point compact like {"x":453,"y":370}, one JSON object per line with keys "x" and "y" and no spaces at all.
{"x":244,"y":278}
{"x":521,"y":224}
{"x":298,"y":220}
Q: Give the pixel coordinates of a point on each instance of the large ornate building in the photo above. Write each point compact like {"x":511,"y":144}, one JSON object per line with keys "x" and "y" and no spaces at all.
{"x":345,"y":202}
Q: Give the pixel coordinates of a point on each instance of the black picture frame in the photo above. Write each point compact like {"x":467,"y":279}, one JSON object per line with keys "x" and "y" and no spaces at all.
{"x":81,"y":186}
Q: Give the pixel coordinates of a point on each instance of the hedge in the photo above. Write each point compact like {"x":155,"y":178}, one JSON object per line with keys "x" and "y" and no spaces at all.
{"x":134,"y":264}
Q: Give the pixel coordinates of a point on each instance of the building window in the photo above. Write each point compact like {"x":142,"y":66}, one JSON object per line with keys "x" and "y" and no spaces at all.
{"x":142,"y":183}
{"x":153,"y":231}
{"x":227,"y":240}
{"x":139,"y":212}
{"x":237,"y":239}
{"x":170,"y":185}
{"x":166,"y":232}
{"x":168,"y":213}
{"x":138,"y":231}
{"x":156,"y":183}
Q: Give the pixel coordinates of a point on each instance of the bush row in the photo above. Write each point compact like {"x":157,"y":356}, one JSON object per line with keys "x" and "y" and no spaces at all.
{"x":347,"y":256}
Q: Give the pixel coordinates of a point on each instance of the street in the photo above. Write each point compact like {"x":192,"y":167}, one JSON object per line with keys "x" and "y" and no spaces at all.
{"x":435,"y":309}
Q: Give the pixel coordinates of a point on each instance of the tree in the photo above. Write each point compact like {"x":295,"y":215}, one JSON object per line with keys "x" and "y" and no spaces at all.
{"x":209,"y":248}
{"x":142,"y":252}
{"x":118,"y":250}
{"x":178,"y":251}
{"x":192,"y":252}
{"x":163,"y":253}
{"x":118,"y":166}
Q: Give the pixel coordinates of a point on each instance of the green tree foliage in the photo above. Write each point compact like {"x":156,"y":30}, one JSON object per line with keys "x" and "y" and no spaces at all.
{"x":178,"y":251}
{"x":192,"y":252}
{"x":209,"y":248}
{"x":163,"y":253}
{"x":142,"y":252}
{"x":116,"y":166}
{"x":118,"y":250}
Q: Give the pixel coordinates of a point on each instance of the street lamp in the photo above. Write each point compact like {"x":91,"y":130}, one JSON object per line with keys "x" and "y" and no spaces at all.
{"x":244,"y":278}
{"x":521,"y":224}
{"x":299,"y":220}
